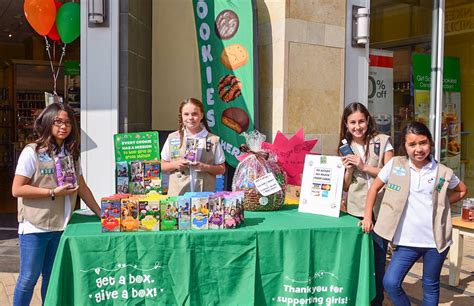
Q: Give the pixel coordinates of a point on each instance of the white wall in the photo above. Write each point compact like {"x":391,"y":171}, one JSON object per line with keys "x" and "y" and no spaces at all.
{"x":99,"y":100}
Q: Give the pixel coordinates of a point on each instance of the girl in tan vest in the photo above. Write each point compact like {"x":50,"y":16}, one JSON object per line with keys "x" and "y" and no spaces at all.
{"x":192,"y":155}
{"x":44,"y":208}
{"x":371,"y":151}
{"x":415,"y":213}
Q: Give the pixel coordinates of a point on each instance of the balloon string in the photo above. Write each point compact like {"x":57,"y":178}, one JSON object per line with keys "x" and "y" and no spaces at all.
{"x":55,"y":73}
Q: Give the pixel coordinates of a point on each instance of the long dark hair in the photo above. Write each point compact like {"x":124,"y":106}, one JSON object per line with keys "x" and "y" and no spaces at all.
{"x":416,"y":128}
{"x":371,"y":126}
{"x":197,"y":103}
{"x":43,"y":127}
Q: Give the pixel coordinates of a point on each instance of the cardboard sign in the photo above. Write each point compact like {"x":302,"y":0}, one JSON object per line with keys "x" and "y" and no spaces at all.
{"x":321,"y":187}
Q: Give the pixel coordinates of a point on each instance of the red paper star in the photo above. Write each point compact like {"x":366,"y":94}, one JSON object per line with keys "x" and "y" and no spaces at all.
{"x":291,"y":153}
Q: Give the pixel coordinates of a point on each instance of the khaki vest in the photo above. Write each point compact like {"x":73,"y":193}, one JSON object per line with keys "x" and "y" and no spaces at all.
{"x":359,"y":187}
{"x":45,"y":213}
{"x":396,"y":196}
{"x":180,"y":180}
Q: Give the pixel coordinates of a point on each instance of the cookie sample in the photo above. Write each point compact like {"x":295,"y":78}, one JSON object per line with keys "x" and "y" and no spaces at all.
{"x":236,"y":119}
{"x":234,"y":56}
{"x":229,"y":88}
{"x":227,"y":24}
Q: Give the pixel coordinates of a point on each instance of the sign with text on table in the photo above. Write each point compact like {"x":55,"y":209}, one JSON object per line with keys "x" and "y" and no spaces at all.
{"x":321,"y":187}
{"x":137,"y":146}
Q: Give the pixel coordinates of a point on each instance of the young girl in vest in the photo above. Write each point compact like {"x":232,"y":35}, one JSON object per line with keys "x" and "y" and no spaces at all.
{"x":415,"y":213}
{"x":371,"y":151}
{"x":44,"y":208}
{"x":192,"y":155}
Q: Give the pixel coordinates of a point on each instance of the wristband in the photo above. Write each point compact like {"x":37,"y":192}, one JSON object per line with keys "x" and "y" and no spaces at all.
{"x":51,"y":192}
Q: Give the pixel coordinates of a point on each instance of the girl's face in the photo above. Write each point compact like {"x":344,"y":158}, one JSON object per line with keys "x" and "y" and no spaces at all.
{"x":192,"y":117}
{"x":418,"y":147}
{"x":357,"y":125}
{"x":62,"y":127}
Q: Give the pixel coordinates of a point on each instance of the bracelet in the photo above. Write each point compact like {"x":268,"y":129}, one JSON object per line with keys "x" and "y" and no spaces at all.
{"x":51,"y":193}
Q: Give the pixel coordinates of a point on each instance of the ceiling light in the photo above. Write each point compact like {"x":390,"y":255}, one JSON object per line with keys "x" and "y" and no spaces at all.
{"x":10,"y":35}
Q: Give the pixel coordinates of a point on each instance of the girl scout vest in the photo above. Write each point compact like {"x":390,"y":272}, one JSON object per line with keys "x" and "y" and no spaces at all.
{"x":359,"y":187}
{"x":180,"y":180}
{"x":45,"y":213}
{"x":396,"y":196}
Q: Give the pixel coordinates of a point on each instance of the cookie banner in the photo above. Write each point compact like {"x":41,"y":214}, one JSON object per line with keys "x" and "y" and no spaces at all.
{"x":227,"y":39}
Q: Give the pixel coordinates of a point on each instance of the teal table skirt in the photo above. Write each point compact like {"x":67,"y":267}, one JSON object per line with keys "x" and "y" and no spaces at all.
{"x":277,"y":258}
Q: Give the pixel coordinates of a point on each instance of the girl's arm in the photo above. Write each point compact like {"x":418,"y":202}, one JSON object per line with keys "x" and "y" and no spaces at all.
{"x":458,"y":193}
{"x":211,"y":169}
{"x":22,"y":189}
{"x":347,"y":174}
{"x":175,"y":164}
{"x":86,"y":195}
{"x":366,"y":223}
{"x":372,"y":171}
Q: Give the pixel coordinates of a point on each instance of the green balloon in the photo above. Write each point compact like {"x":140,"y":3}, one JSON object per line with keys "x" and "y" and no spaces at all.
{"x":68,"y":21}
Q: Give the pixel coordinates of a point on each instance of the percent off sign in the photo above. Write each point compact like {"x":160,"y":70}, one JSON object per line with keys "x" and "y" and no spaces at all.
{"x":377,"y":88}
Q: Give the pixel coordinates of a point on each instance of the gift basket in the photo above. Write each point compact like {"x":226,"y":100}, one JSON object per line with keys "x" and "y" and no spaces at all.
{"x":257,"y":164}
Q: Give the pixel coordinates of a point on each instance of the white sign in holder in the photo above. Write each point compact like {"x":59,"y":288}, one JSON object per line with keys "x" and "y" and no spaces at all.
{"x":321,"y":186}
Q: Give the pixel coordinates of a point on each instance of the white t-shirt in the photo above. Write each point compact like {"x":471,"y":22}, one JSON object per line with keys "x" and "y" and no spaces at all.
{"x":219,"y":157}
{"x":26,"y":167}
{"x":416,"y":223}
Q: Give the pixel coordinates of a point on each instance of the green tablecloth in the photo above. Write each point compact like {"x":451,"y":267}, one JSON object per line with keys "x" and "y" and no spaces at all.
{"x":283,"y":257}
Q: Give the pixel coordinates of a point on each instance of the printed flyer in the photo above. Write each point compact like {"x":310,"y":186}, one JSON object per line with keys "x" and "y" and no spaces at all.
{"x":321,"y":187}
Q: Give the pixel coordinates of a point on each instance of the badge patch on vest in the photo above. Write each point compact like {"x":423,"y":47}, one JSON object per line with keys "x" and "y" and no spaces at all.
{"x":323,"y":160}
{"x":393,"y":187}
{"x":399,"y":171}
{"x":387,"y":204}
{"x":440,"y":184}
{"x":377,"y":148}
{"x":44,"y":157}
{"x":46,"y":171}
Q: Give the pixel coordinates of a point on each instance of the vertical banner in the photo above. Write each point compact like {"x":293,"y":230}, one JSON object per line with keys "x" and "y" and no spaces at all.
{"x":451,"y":119}
{"x":227,"y":43}
{"x":380,"y":101}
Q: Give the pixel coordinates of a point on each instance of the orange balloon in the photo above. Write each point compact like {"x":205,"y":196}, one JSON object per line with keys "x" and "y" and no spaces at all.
{"x":41,"y":15}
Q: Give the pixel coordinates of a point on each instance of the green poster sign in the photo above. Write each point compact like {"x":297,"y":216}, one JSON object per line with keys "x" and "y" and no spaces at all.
{"x":143,"y":146}
{"x":422,"y":73}
{"x":227,"y":47}
{"x":72,"y":68}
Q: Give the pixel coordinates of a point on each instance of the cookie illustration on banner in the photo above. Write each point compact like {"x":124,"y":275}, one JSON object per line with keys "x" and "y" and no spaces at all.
{"x":236,"y":119}
{"x":229,"y":88}
{"x":227,"y":24}
{"x":234,"y":56}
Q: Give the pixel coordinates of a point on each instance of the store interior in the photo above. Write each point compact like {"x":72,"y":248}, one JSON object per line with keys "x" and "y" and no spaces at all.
{"x":25,"y":76}
{"x":405,"y":28}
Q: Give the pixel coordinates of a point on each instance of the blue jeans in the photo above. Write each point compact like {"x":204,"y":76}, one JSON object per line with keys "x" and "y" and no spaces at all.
{"x":37,"y":252}
{"x":403,"y":258}
{"x":380,"y":255}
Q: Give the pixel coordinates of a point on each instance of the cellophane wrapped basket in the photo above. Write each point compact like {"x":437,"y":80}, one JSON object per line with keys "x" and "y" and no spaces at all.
{"x":255,"y":165}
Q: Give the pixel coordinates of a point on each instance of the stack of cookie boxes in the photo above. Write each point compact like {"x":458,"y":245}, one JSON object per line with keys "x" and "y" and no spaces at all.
{"x":154,"y":212}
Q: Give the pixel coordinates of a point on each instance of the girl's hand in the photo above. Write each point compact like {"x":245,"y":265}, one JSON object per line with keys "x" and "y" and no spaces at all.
{"x":198,"y":166}
{"x":65,"y":190}
{"x":181,"y":164}
{"x":366,"y":225}
{"x":347,"y":163}
{"x":356,"y":161}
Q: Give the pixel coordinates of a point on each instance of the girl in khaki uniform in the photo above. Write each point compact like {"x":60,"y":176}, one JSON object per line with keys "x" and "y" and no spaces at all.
{"x":192,"y":155}
{"x":44,"y":208}
{"x":371,"y":151}
{"x":415,"y":213}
